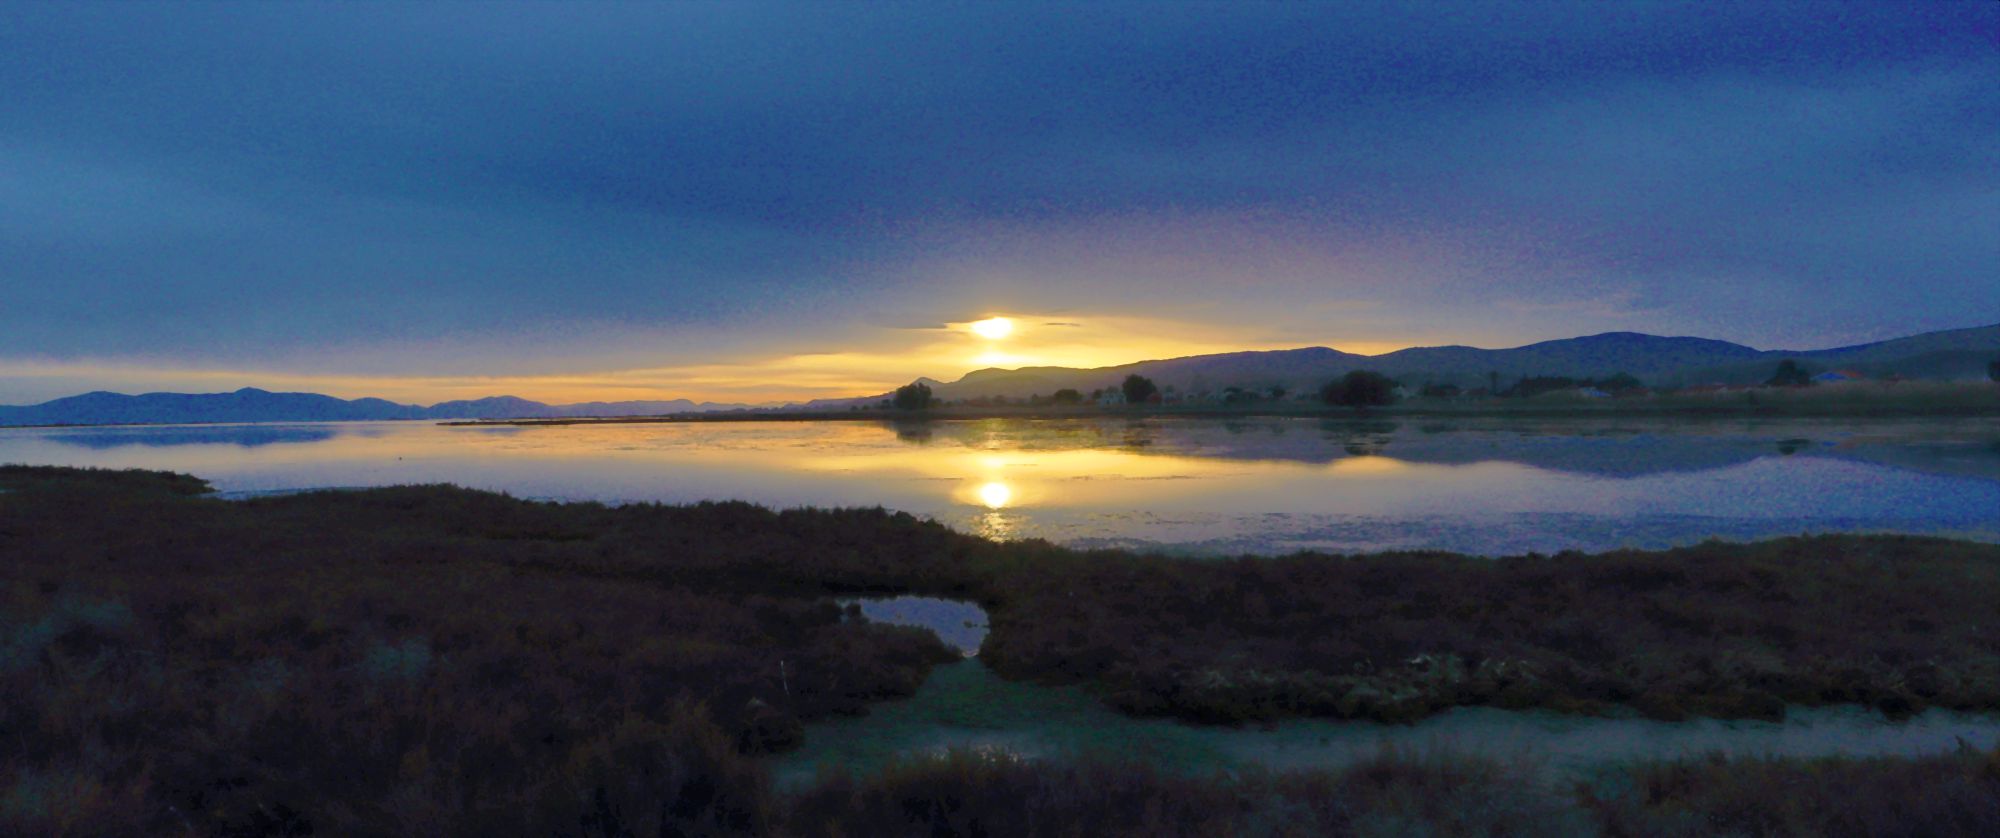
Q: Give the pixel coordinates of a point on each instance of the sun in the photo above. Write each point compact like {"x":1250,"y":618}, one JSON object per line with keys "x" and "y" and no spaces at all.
{"x":995,"y":495}
{"x":993,"y":328}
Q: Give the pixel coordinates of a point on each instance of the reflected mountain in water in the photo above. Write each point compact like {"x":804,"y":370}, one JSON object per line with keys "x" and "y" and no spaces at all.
{"x":1266,"y":485}
{"x":1593,"y":448}
{"x":242,"y":436}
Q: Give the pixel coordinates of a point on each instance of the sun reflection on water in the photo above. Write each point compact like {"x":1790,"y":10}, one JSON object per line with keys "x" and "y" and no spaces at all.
{"x":1232,"y":485}
{"x":1367,"y":464}
{"x":994,"y":525}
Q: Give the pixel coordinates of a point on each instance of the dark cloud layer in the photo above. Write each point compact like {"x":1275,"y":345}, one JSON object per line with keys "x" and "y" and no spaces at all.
{"x":231,"y":182}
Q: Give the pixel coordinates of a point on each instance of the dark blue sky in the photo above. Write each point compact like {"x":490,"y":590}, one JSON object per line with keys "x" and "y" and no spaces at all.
{"x":561,"y":192}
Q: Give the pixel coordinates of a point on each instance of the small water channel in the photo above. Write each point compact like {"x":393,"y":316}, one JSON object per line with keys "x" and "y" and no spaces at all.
{"x":965,"y":705}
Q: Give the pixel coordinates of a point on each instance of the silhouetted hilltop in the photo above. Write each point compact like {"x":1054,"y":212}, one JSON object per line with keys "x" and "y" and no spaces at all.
{"x":253,"y":405}
{"x":1956,"y":354}
{"x":1655,"y":360}
{"x":1949,"y":355}
{"x":1646,"y":356}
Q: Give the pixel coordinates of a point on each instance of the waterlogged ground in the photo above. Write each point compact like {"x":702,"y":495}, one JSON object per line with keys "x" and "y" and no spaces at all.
{"x":961,"y":625}
{"x":964,"y":705}
{"x":1195,"y":486}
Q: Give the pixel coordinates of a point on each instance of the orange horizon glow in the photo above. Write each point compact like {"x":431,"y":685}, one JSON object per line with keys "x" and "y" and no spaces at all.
{"x":880,"y":361}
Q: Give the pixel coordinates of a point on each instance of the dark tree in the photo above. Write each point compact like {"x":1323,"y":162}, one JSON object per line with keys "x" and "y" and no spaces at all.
{"x":1618,"y":383}
{"x":1528,"y":387}
{"x":1359,"y":389}
{"x":1993,"y":370}
{"x":1789,"y":374}
{"x":915,"y":396}
{"x":1139,"y":389}
{"x":1067,"y":396}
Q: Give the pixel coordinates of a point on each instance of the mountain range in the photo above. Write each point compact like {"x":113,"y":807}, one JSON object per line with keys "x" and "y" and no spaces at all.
{"x":1961,"y":354}
{"x":253,"y":405}
{"x":1958,"y":354}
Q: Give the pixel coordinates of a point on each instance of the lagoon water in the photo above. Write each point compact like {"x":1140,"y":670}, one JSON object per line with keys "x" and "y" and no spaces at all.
{"x":1260,"y":485}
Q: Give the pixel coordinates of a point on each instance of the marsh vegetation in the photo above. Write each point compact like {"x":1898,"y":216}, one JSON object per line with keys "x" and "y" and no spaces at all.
{"x":446,"y":661}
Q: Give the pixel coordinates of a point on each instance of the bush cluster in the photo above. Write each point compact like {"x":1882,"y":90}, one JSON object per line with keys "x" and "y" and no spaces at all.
{"x":1722,"y":630}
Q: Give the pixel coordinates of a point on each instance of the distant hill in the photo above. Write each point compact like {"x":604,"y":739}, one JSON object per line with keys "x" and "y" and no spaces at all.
{"x":1659,"y":361}
{"x":1647,"y":357}
{"x":1655,"y":360}
{"x":1956,"y":354}
{"x":253,"y":405}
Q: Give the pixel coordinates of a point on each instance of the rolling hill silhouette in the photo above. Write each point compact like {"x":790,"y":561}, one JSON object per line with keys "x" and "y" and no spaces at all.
{"x":1957,"y":354}
{"x":1655,"y":360}
{"x":253,"y":405}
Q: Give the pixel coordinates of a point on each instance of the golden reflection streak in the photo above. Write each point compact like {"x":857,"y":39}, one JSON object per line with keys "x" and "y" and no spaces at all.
{"x":1367,"y":464}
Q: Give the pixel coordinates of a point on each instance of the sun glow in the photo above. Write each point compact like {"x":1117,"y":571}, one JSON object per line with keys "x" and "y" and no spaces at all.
{"x":863,"y":363}
{"x":993,"y":328}
{"x":995,"y":495}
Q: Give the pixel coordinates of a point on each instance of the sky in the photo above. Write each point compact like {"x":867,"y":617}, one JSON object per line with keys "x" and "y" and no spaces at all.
{"x":750,"y":202}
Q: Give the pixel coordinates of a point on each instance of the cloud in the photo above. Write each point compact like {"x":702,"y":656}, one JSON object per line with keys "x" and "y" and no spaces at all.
{"x":535,"y":190}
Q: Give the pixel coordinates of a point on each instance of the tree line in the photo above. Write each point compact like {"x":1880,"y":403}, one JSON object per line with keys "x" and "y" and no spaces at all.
{"x":1359,"y":389}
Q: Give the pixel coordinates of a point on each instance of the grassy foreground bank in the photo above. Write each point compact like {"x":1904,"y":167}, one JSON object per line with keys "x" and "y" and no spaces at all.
{"x":433,"y":660}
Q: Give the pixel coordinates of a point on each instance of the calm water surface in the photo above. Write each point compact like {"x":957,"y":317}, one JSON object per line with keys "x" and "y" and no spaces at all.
{"x":1198,"y":486}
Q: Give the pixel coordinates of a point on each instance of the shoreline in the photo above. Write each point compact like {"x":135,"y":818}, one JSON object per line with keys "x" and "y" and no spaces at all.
{"x":1342,"y":414}
{"x":1908,"y":400}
